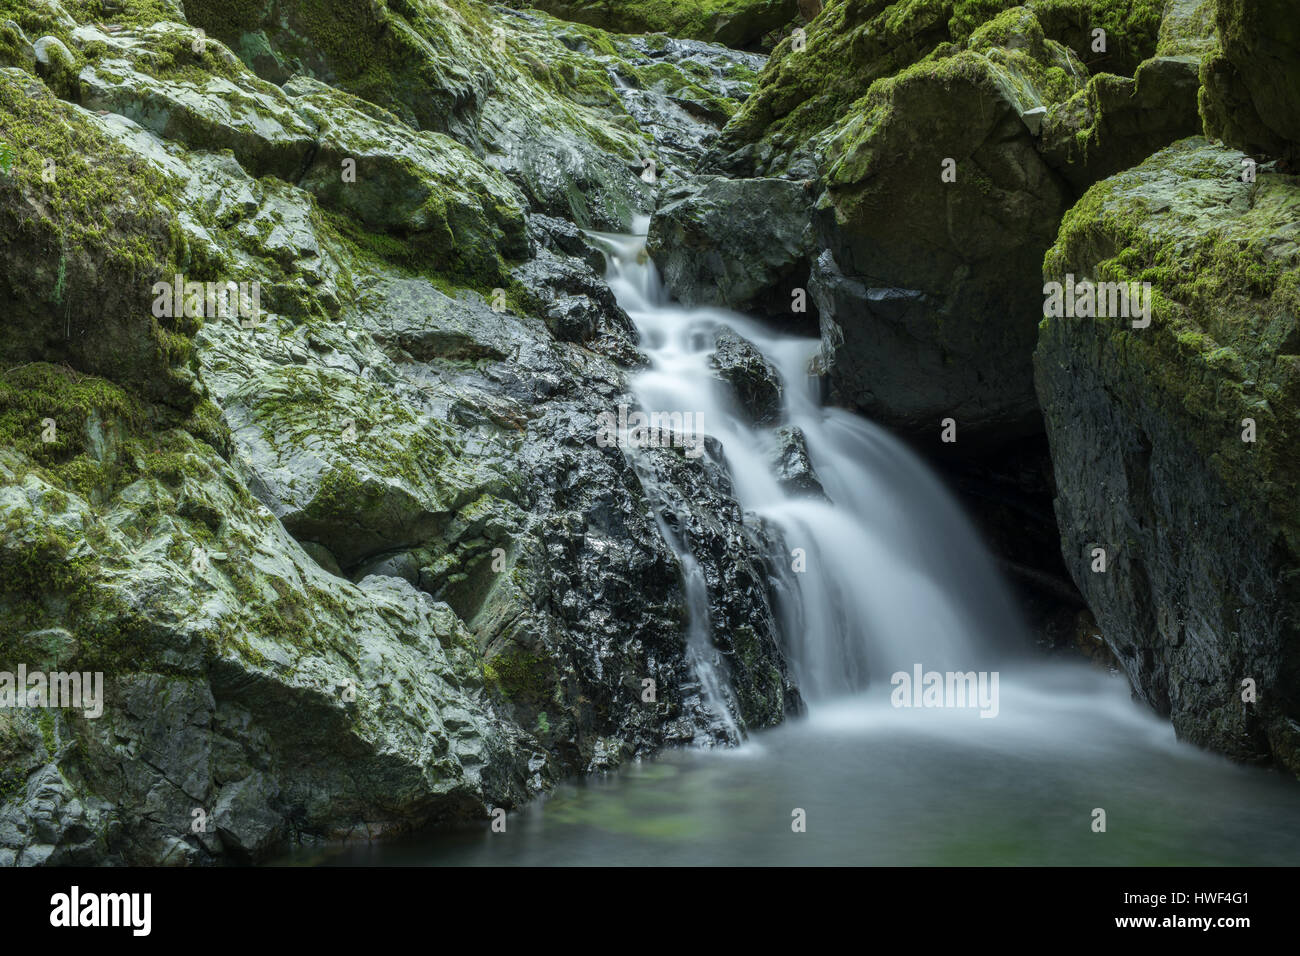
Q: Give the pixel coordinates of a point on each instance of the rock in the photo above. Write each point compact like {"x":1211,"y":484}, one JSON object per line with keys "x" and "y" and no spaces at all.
{"x":755,"y":383}
{"x":1188,"y":29}
{"x":202,"y":100}
{"x":575,"y":302}
{"x":355,"y":564}
{"x":918,"y":252}
{"x":1146,"y":425}
{"x":1251,"y":96}
{"x":50,"y":50}
{"x":15,"y":48}
{"x":509,"y":89}
{"x":735,"y":24}
{"x":564,"y":238}
{"x":424,"y":186}
{"x":682,"y":92}
{"x":737,"y":243}
{"x":257,"y":659}
{"x":1116,"y":122}
{"x":77,"y":282}
{"x":852,"y":44}
{"x":794,"y":469}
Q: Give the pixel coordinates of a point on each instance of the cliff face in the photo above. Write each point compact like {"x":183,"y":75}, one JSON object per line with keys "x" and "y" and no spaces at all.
{"x":341,"y":541}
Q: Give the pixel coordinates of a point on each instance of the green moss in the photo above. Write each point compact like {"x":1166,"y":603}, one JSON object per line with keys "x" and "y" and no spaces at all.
{"x":1224,"y":332}
{"x":47,"y":412}
{"x":739,"y":23}
{"x":46,"y":723}
{"x":523,"y":678}
{"x":855,"y":43}
{"x":85,"y":186}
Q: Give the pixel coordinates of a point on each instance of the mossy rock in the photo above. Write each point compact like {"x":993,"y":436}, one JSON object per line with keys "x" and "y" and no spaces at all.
{"x":937,"y":210}
{"x":810,"y":85}
{"x":423,"y":187}
{"x":1147,"y":427}
{"x":735,"y":23}
{"x":1251,"y":94}
{"x":81,"y":253}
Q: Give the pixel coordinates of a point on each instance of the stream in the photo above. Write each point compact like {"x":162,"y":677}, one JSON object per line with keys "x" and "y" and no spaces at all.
{"x":887,"y":577}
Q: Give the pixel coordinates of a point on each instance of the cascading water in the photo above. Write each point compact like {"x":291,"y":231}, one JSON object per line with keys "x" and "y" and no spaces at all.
{"x":887,"y":573}
{"x":895,"y":577}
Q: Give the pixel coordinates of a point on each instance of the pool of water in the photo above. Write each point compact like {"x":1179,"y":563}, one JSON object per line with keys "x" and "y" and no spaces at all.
{"x":885,"y":785}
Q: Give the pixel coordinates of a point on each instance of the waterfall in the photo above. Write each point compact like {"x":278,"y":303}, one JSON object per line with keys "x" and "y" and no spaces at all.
{"x":885,"y":571}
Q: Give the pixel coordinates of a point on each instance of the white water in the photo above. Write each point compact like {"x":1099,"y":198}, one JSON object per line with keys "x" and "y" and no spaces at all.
{"x":894,"y":574}
{"x":895,"y":577}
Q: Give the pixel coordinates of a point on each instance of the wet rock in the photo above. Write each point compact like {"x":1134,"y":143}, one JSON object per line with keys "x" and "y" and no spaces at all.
{"x":738,"y":25}
{"x":574,"y":301}
{"x":89,"y":303}
{"x":564,"y":238}
{"x":755,"y":383}
{"x":791,"y":464}
{"x":734,"y":242}
{"x":1197,"y":525}
{"x":425,"y":186}
{"x":204,"y":100}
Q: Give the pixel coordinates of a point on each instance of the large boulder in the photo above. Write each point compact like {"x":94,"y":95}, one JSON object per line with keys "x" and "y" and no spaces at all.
{"x":247,"y":693}
{"x":1251,"y":96}
{"x":1117,"y":122}
{"x":937,"y":210}
{"x":1174,"y":443}
{"x":811,"y":82}
{"x":740,"y":243}
{"x":943,"y":143}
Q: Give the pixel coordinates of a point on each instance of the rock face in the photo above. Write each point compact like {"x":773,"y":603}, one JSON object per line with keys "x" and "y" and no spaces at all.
{"x":931,"y":180}
{"x":80,"y":260}
{"x":343,"y":545}
{"x":1251,"y":96}
{"x":1174,"y":444}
